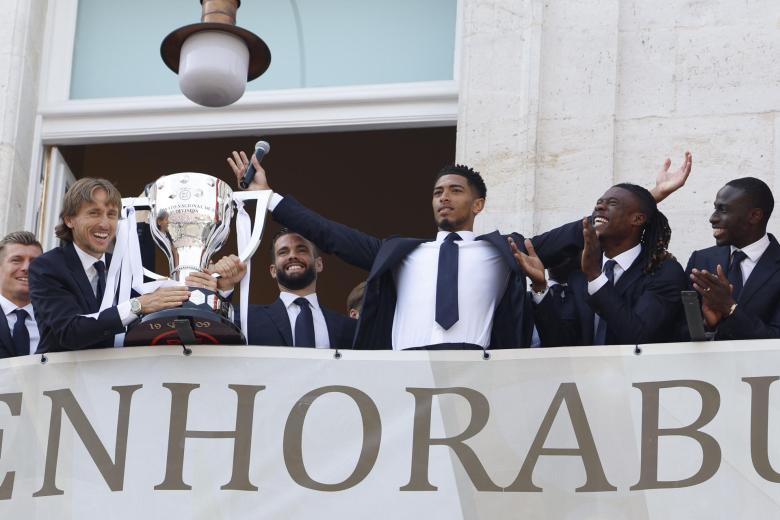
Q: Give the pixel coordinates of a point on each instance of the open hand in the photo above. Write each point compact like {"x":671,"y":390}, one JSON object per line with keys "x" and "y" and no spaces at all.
{"x":667,"y":182}
{"x":530,"y":263}
{"x":715,"y":291}
{"x":591,"y":251}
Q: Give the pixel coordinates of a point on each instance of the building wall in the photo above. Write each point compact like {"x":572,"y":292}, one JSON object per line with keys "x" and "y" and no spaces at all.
{"x":21,"y":35}
{"x":558,"y":100}
{"x":561,"y":99}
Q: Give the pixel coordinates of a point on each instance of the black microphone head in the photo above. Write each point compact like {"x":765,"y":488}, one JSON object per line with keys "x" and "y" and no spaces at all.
{"x":264,"y":146}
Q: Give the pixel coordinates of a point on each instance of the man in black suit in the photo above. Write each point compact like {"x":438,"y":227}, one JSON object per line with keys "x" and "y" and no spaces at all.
{"x":296,"y":318}
{"x":67,"y":283}
{"x":459,"y":291}
{"x":738,"y":279}
{"x":628,"y":289}
{"x":18,"y":328}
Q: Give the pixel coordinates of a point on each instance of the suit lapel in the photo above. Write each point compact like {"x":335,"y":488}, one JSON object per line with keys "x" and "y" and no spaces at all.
{"x":6,"y":341}
{"x":499,"y":241}
{"x":280,"y":318}
{"x":74,"y":264}
{"x":392,"y":254}
{"x":766,"y":267}
{"x":330,"y":321}
{"x":630,"y":276}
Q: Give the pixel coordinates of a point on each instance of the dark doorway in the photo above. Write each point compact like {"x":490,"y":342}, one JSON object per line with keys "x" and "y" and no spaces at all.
{"x":377,"y":181}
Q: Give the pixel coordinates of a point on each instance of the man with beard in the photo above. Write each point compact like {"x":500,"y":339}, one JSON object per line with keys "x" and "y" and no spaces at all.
{"x":628,"y":289}
{"x":738,"y":279}
{"x":18,"y":329}
{"x":296,"y":318}
{"x":458,"y":291}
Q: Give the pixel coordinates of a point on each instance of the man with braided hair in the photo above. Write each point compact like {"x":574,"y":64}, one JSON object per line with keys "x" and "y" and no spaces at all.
{"x":628,"y":290}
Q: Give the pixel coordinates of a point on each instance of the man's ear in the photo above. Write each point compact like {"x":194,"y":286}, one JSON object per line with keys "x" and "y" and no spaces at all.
{"x":756,"y":216}
{"x":68,"y":221}
{"x":318,"y":265}
{"x":272,"y":270}
{"x":639,"y":219}
{"x":478,"y":205}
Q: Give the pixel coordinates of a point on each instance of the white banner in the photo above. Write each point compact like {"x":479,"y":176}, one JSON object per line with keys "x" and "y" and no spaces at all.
{"x":676,"y":431}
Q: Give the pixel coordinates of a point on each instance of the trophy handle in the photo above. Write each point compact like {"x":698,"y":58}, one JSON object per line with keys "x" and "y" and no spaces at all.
{"x":142,"y":203}
{"x":263,"y":197}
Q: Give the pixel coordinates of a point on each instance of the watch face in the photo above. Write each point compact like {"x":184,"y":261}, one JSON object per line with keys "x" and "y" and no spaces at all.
{"x":135,"y":306}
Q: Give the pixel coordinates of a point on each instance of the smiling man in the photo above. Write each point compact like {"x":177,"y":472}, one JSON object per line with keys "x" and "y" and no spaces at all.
{"x":628,"y":289}
{"x":67,"y":284}
{"x":738,"y":279}
{"x":456,"y":291}
{"x":296,"y":318}
{"x":18,"y":328}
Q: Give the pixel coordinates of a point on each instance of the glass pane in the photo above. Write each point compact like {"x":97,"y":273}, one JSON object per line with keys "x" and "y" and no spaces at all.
{"x":314,"y":43}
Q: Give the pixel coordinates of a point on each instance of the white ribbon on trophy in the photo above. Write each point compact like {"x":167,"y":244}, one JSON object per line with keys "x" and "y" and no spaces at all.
{"x":126,"y":271}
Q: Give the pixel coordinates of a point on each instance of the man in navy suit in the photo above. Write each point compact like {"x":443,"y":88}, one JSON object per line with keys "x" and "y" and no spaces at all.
{"x":738,"y":279}
{"x":18,"y":328}
{"x":296,"y":318}
{"x":458,"y":291}
{"x":628,"y":288}
{"x":67,"y":283}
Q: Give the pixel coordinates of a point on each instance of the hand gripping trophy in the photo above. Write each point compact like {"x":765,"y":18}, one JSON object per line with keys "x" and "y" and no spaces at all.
{"x":199,"y":210}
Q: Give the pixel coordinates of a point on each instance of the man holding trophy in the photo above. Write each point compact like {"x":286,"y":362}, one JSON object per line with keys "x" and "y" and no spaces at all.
{"x":76,"y":304}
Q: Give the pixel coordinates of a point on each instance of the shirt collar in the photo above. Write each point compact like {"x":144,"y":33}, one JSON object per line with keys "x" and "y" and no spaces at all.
{"x":87,"y":260}
{"x":756,"y":249}
{"x":466,"y":236}
{"x":8,"y":306}
{"x":626,"y":258}
{"x":289,"y":298}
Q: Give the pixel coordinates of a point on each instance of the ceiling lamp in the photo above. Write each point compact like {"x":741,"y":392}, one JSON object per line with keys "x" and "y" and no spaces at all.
{"x":215,"y":58}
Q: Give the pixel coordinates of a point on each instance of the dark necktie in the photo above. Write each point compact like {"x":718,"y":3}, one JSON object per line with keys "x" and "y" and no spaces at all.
{"x":447,"y":283}
{"x":600,"y":338}
{"x":735,"y":273}
{"x":100,"y":267}
{"x":21,"y":336}
{"x":304,"y":324}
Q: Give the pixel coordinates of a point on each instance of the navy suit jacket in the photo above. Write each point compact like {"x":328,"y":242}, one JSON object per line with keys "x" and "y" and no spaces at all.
{"x":639,"y":308}
{"x":270,"y":325}
{"x":7,"y":348}
{"x":61,"y":296}
{"x":757,"y":314}
{"x":512,"y":321}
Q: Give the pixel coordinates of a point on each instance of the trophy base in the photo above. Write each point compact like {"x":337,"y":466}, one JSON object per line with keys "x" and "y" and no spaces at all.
{"x":208,"y":328}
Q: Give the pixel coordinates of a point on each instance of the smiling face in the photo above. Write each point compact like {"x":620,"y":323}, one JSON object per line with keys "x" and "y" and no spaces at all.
{"x":455,"y":203}
{"x":618,"y":219}
{"x":94,"y":225}
{"x":736,"y":221}
{"x":14,"y":262}
{"x":295,"y":265}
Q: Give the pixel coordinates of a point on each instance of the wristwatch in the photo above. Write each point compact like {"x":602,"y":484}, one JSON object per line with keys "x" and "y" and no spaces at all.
{"x":135,"y":306}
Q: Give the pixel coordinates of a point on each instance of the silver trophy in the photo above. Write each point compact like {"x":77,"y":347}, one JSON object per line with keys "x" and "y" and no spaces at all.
{"x":190,"y":216}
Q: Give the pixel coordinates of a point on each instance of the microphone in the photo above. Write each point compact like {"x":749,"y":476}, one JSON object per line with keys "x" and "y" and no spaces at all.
{"x":262,"y":148}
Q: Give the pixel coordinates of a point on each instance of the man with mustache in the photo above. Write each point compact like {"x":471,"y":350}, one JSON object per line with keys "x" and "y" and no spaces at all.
{"x":296,"y":318}
{"x":18,"y":328}
{"x":459,"y":291}
{"x":738,"y":279}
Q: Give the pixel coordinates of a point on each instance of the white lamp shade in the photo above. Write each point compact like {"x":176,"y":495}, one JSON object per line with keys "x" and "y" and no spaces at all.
{"x":213,"y":68}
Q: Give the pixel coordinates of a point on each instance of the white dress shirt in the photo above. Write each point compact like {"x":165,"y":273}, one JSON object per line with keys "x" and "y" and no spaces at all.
{"x":482,"y":280}
{"x":754,"y":252}
{"x":32,"y":327}
{"x":624,"y":261}
{"x":321,"y":337}
{"x":88,"y":263}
